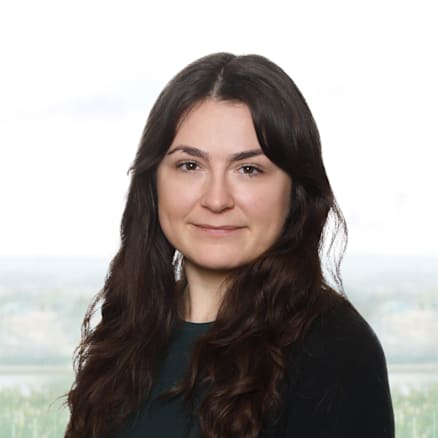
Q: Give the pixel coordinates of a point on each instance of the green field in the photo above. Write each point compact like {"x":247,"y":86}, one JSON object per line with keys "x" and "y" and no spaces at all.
{"x":37,"y":412}
{"x":34,"y":412}
{"x":416,"y":412}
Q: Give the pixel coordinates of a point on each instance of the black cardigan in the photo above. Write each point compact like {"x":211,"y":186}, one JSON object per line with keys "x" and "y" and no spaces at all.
{"x":337,"y":387}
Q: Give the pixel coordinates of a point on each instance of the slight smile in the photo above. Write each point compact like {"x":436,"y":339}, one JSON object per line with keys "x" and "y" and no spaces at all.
{"x":220,"y":230}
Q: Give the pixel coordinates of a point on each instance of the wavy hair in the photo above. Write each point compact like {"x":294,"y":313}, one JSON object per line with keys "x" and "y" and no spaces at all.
{"x":245,"y":357}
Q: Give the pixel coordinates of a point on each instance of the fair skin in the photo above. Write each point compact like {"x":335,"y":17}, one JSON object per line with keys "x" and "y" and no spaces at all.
{"x":221,"y":201}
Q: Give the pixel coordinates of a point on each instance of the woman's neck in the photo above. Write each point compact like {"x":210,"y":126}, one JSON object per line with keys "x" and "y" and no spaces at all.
{"x":203,"y":294}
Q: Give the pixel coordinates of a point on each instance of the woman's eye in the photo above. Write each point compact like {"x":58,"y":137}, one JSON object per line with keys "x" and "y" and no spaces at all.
{"x":250,"y":170}
{"x":188,"y":166}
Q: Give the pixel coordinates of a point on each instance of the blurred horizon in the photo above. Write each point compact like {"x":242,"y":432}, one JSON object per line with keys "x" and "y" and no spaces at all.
{"x":43,"y":301}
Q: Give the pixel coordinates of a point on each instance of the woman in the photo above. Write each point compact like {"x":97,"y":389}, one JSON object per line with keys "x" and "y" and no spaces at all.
{"x":217,"y":318}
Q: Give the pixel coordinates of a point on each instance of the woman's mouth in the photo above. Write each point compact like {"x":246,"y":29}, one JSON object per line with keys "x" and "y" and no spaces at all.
{"x":218,"y":230}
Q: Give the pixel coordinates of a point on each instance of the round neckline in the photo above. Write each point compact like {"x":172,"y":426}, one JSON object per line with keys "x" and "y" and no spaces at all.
{"x":197,"y":323}
{"x":194,"y":325}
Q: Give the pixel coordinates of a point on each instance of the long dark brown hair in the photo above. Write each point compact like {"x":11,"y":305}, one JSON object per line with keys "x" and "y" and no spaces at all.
{"x":269,"y":303}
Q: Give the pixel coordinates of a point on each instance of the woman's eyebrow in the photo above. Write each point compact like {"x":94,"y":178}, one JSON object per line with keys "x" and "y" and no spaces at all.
{"x":195,"y":152}
{"x":246,"y":154}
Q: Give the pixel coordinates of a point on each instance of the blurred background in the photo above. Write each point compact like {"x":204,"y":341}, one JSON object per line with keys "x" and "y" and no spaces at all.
{"x":77,"y":82}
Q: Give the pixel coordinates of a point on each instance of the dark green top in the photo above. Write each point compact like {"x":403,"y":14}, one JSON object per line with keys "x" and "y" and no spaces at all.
{"x":338,"y":386}
{"x":166,"y":419}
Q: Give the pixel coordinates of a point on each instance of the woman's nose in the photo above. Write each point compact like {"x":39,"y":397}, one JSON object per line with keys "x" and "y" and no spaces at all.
{"x":217,"y":196}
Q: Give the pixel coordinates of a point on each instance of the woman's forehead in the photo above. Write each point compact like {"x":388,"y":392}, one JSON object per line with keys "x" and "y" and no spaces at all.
{"x":220,"y":127}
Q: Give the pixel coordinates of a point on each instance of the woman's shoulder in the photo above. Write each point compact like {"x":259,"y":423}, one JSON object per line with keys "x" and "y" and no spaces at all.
{"x":340,"y":333}
{"x":338,"y":383}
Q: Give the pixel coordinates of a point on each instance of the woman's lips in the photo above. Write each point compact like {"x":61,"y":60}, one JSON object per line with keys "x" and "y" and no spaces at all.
{"x":218,"y":230}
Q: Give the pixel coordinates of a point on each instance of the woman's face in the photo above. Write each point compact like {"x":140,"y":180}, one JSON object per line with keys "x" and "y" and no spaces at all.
{"x":221,"y":201}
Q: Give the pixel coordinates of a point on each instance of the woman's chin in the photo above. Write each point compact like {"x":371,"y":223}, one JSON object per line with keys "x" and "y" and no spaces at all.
{"x":218,"y":264}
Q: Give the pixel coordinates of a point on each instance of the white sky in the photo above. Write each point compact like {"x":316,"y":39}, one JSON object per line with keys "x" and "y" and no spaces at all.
{"x":78,"y":79}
